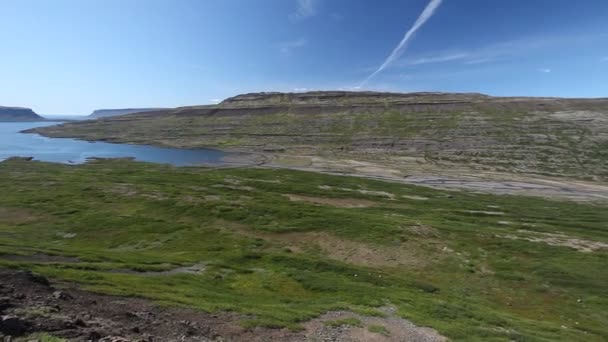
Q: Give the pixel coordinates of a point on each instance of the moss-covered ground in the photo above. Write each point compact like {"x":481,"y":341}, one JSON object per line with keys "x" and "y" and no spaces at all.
{"x":473,"y":266}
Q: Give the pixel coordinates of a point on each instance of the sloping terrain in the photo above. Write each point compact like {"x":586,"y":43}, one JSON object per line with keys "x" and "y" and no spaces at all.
{"x":341,"y":258}
{"x":42,"y":311}
{"x":18,"y":114}
{"x":541,"y":136}
{"x":104,"y":113}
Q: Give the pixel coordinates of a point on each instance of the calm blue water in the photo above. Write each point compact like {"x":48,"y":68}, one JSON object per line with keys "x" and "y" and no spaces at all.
{"x":13,"y":143}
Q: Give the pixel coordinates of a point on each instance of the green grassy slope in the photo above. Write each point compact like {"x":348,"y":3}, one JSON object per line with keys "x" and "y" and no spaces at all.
{"x":284,"y":246}
{"x":558,"y":137}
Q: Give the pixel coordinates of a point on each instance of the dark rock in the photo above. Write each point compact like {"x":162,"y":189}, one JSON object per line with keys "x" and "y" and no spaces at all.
{"x":7,"y":289}
{"x":5,"y":303}
{"x":36,"y":278}
{"x":68,"y":325}
{"x":13,"y":325}
{"x":19,"y":296}
{"x":131,"y":314}
{"x":94,"y":336}
{"x":79,"y":323}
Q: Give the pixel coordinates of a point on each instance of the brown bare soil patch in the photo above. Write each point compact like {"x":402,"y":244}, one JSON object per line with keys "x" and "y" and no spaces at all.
{"x":423,"y":230}
{"x":235,"y":187}
{"x":129,"y":190}
{"x":123,"y":189}
{"x":334,"y":202}
{"x":359,"y":253}
{"x":406,"y":254}
{"x":17,"y":215}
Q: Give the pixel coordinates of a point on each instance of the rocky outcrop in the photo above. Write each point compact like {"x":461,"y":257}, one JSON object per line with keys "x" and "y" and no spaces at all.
{"x":17,"y":114}
{"x":104,"y":113}
{"x":29,"y":304}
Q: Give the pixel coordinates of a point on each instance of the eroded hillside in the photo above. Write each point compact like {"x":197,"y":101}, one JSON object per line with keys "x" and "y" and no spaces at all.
{"x":546,"y":136}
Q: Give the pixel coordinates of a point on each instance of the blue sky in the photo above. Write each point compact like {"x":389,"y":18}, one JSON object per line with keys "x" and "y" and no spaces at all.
{"x":73,"y":56}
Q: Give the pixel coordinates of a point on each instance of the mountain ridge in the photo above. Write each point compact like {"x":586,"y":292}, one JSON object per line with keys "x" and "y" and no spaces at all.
{"x":544,"y":136}
{"x":18,"y":114}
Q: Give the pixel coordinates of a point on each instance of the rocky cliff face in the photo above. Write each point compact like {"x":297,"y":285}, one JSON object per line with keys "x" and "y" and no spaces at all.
{"x":104,"y":113}
{"x":16,"y":114}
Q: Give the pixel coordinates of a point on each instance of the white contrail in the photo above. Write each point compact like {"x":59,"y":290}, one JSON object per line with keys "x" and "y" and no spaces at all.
{"x":426,"y":15}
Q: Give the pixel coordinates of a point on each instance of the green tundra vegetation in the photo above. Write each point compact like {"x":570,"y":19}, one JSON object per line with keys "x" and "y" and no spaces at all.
{"x":282,"y":247}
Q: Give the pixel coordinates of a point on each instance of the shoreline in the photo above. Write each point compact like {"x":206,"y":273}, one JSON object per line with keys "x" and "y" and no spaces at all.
{"x":421,"y":173}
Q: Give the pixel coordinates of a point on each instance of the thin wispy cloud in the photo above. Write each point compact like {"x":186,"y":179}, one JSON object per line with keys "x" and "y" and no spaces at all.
{"x":499,"y":51}
{"x":287,"y":48}
{"x":402,"y":46}
{"x":215,"y":100}
{"x":479,"y":60}
{"x":545,"y":70}
{"x":605,"y":59}
{"x":438,"y":59}
{"x":461,"y":57}
{"x":305,"y":9}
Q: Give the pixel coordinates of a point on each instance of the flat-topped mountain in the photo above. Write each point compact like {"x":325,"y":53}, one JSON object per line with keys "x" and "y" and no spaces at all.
{"x":16,"y":114}
{"x":548,"y":136}
{"x":103,"y":113}
{"x":347,"y":97}
{"x":367,"y":98}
